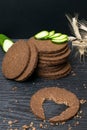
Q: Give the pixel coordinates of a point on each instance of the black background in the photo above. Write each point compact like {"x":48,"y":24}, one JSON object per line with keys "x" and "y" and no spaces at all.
{"x":24,"y":18}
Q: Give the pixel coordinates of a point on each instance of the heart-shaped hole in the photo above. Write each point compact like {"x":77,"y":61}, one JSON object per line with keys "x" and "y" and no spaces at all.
{"x":52,"y":109}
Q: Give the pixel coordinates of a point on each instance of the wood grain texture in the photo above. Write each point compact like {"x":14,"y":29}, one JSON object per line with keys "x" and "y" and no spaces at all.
{"x":15,"y":98}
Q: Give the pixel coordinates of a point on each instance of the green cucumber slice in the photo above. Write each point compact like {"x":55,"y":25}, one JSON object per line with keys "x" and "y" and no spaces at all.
{"x":2,"y":38}
{"x":59,"y":41}
{"x":7,"y":44}
{"x":63,"y":36}
{"x":55,"y":35}
{"x":41,"y":35}
{"x":51,"y":33}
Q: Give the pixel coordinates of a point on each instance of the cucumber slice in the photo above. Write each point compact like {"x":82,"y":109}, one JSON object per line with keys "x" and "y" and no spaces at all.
{"x":63,"y":36}
{"x":7,"y":44}
{"x":51,"y":33}
{"x":41,"y":35}
{"x":55,"y":35}
{"x":2,"y":38}
{"x":59,"y":41}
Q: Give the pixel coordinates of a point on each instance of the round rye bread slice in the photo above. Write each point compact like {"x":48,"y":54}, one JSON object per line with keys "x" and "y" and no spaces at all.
{"x":31,"y":64}
{"x":54,"y":77}
{"x":56,"y":74}
{"x":46,"y":46}
{"x":43,"y":63}
{"x":59,"y":96}
{"x":55,"y":54}
{"x":50,"y":68}
{"x":15,"y":60}
{"x":57,"y":58}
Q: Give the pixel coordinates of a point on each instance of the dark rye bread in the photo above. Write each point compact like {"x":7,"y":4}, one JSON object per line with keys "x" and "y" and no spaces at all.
{"x":55,"y":54}
{"x":59,"y":96}
{"x":24,"y":56}
{"x":57,"y":58}
{"x":46,"y":46}
{"x":31,"y":64}
{"x":54,"y":77}
{"x":15,"y":60}
{"x":50,"y":68}
{"x":57,"y":74}
{"x":43,"y":63}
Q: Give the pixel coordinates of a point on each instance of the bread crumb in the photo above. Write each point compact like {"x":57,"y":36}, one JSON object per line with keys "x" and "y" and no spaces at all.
{"x":45,"y":126}
{"x":15,"y":121}
{"x":84,"y":85}
{"x":82,"y":101}
{"x":14,"y":88}
{"x":51,"y":123}
{"x":25,"y":127}
{"x":80,"y":111}
{"x":69,"y":127}
{"x":63,"y":122}
{"x":33,"y":128}
{"x":76,"y":123}
{"x":44,"y":121}
{"x":73,"y":73}
{"x":41,"y":125}
{"x":57,"y":123}
{"x":31,"y":124}
{"x":10,"y":123}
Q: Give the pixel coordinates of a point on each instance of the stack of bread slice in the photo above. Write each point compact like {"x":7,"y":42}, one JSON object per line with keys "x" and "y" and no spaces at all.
{"x":47,"y":59}
{"x":52,"y":58}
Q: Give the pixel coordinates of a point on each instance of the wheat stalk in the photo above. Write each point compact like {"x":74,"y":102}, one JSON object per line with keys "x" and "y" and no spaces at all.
{"x":80,"y":32}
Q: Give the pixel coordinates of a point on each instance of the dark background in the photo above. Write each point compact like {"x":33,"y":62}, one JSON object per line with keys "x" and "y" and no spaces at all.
{"x":24,"y":18}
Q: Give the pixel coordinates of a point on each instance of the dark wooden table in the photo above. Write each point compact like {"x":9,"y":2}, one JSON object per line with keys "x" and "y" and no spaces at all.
{"x":15,"y":97}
